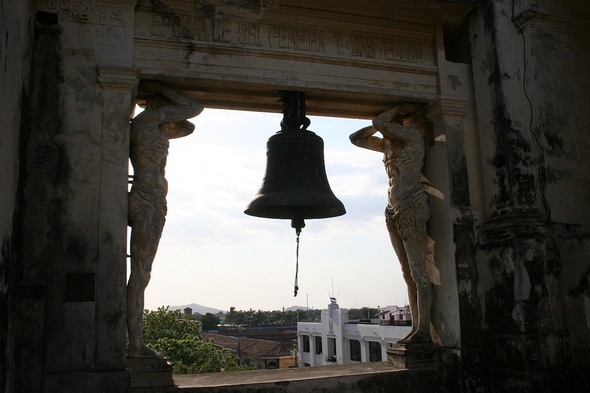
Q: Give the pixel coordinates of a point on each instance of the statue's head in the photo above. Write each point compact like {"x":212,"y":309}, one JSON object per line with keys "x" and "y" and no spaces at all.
{"x":177,"y":129}
{"x":414,"y":115}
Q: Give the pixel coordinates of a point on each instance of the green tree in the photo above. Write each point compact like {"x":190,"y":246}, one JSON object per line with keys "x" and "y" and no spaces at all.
{"x":178,"y":337}
{"x":231,"y":317}
{"x":165,"y":323}
{"x":235,"y":317}
{"x":291,"y":318}
{"x":192,"y":355}
{"x":259,"y":318}
{"x":209,"y":321}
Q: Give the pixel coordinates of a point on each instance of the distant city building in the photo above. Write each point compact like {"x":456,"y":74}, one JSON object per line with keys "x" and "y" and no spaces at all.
{"x":263,"y":354}
{"x":395,"y":316}
{"x":284,"y":334}
{"x":188,"y":311}
{"x":336,"y":340}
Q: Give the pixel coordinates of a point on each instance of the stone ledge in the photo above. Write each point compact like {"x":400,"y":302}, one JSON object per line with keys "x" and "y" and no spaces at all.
{"x":362,"y":377}
{"x":413,"y":356}
{"x":149,"y":373}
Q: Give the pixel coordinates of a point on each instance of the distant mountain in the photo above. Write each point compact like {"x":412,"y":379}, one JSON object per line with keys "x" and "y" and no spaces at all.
{"x":197,"y":308}
{"x":295,"y":308}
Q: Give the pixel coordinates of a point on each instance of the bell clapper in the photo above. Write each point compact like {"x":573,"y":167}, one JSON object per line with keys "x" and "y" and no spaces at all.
{"x":298,"y":223}
{"x":296,"y":287}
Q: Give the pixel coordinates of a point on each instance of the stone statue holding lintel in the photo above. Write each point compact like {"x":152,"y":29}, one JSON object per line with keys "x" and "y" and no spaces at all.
{"x":164,"y":118}
{"x":407,"y":211}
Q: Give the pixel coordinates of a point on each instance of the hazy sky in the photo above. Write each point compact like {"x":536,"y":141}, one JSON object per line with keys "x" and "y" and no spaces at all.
{"x":213,"y":254}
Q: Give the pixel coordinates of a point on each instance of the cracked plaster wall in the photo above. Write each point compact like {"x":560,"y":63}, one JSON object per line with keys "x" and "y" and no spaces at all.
{"x":532,"y":100}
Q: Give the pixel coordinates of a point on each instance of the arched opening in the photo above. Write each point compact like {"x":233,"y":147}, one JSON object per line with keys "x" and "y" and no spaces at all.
{"x":211,"y":253}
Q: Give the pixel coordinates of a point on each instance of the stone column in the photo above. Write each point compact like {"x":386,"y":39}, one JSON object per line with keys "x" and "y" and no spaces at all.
{"x":454,"y":273}
{"x":73,"y":247}
{"x":384,"y":348}
{"x":365,"y":351}
{"x":312,"y":350}
{"x":300,"y":349}
{"x":119,"y":85}
{"x":453,"y":168}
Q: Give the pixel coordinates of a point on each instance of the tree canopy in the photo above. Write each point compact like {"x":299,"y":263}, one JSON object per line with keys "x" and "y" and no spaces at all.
{"x":209,"y":321}
{"x":178,"y":337}
{"x":261,"y":318}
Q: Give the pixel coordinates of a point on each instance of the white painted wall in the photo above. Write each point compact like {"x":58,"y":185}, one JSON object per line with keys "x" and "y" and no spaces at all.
{"x":334,"y":324}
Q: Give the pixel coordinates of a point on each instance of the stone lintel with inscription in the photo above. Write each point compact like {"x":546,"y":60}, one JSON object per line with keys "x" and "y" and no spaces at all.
{"x":284,"y":38}
{"x":239,"y":57}
{"x":110,"y":13}
{"x":238,"y":61}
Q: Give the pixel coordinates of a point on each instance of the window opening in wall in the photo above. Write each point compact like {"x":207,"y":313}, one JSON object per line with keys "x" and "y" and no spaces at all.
{"x":47,"y":18}
{"x":318,"y":345}
{"x":355,"y":350}
{"x":331,"y":349}
{"x":375,"y":351}
{"x":456,"y":39}
{"x":306,"y":344}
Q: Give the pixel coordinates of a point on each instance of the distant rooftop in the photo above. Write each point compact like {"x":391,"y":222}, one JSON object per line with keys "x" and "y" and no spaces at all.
{"x":251,"y":346}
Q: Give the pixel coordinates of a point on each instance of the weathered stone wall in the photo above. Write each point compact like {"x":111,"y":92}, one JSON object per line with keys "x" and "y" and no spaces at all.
{"x":71,"y":307}
{"x":15,"y":56}
{"x":532,"y":98}
{"x":558,"y":87}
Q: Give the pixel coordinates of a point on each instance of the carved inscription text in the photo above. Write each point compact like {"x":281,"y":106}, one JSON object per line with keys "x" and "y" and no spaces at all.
{"x":275,"y":37}
{"x":95,"y":12}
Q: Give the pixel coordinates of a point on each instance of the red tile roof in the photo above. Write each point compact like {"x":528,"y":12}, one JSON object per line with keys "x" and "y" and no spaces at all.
{"x":251,"y":346}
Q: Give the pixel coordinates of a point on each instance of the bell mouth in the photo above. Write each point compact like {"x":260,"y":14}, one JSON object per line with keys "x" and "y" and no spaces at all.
{"x":286,"y":206}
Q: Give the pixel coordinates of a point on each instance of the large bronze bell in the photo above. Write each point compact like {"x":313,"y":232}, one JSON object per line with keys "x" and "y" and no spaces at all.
{"x":295,"y":185}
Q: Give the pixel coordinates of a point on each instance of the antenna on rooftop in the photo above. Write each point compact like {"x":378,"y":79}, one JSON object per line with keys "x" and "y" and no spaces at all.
{"x":333,"y":299}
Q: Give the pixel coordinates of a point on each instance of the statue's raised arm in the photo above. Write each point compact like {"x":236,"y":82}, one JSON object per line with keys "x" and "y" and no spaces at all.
{"x":170,"y":105}
{"x":365,"y":137}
